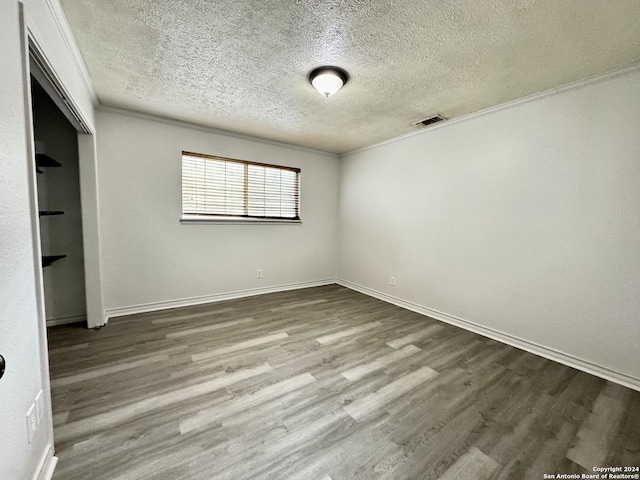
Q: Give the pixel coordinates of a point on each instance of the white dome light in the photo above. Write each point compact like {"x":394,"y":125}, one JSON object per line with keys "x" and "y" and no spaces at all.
{"x":328,"y":80}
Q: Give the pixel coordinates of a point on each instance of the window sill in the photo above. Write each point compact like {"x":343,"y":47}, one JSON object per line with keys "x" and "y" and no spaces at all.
{"x":197,"y":220}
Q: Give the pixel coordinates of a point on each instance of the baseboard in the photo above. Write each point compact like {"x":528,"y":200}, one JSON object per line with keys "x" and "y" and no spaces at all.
{"x":219,"y":297}
{"x":52,"y":322}
{"x":47,"y":465}
{"x":532,"y":347}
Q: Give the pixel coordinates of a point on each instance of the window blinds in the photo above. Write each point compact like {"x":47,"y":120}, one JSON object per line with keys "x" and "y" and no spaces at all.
{"x":217,"y":186}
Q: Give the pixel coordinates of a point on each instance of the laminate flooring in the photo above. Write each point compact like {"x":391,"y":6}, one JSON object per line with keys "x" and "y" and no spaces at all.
{"x":322,"y":384}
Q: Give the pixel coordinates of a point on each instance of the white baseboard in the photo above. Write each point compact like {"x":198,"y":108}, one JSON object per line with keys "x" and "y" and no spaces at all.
{"x":532,"y":347}
{"x":52,"y":322}
{"x":219,"y":297}
{"x":47,"y":465}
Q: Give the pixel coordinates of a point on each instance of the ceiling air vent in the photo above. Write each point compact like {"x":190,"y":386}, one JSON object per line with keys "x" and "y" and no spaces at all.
{"x":430,"y":121}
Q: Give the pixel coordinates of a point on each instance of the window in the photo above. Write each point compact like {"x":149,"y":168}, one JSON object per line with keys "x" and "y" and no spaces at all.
{"x":225,"y":188}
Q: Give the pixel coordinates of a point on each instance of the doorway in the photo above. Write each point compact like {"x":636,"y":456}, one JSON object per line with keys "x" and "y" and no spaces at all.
{"x":71,"y":284}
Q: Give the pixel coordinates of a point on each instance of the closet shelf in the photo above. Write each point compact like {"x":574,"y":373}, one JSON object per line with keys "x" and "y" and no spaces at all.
{"x":43,"y":160}
{"x":46,"y":213}
{"x":47,"y":260}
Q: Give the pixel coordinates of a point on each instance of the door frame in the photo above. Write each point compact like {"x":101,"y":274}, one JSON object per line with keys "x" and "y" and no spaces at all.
{"x":38,"y":65}
{"x":35,"y":61}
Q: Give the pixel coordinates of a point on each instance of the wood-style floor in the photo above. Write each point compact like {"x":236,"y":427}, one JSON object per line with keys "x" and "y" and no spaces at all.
{"x":318,"y":384}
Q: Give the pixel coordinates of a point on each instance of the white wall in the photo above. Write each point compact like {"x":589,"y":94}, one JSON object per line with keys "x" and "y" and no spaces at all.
{"x":150,"y":259}
{"x":22,"y":330}
{"x":523,"y":220}
{"x":19,"y":334}
{"x":59,"y":189}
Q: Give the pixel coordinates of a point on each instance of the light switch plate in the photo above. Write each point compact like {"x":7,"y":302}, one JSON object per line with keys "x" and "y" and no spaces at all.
{"x":32,"y":424}
{"x":39,"y":407}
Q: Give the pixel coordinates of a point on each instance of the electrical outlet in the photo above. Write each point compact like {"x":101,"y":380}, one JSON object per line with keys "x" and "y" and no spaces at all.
{"x":259,"y":273}
{"x":392,"y":281}
{"x":32,"y":423}
{"x":39,"y":407}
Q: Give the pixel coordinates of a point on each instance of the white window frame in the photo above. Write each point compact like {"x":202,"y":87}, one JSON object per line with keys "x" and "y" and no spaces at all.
{"x":203,"y":217}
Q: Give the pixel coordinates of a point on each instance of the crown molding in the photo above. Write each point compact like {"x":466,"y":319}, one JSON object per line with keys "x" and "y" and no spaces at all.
{"x":72,"y":47}
{"x":197,"y":126}
{"x":593,"y":79}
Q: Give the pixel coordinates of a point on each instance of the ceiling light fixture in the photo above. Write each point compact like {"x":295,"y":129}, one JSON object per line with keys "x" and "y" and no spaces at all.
{"x":328,"y":80}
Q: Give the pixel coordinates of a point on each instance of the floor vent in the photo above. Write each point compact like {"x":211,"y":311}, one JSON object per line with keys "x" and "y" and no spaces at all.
{"x":430,"y":121}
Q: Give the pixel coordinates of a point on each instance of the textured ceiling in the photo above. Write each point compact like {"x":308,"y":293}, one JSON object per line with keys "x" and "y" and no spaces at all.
{"x":242,"y":65}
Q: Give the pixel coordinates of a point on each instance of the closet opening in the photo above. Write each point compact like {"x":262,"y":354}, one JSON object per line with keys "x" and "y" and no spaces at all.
{"x":59,"y":210}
